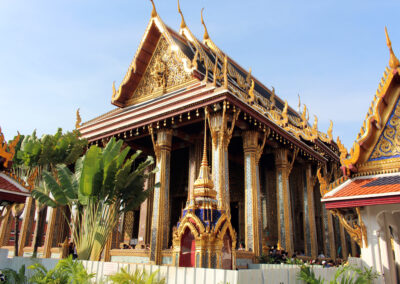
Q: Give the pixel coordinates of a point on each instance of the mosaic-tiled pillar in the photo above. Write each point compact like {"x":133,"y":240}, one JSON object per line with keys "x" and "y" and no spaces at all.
{"x":195,"y":152}
{"x":128,"y":226}
{"x":253,"y":219}
{"x":285,"y":226}
{"x":353,"y":247}
{"x":343,"y":242}
{"x":48,"y":242}
{"x":220,"y":166}
{"x":24,"y":225}
{"x":160,"y":219}
{"x":144,"y":211}
{"x":5,"y":226}
{"x":310,"y":231}
{"x":329,"y":238}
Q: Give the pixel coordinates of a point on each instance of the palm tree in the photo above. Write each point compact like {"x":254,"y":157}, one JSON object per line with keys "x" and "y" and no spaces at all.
{"x":103,"y":186}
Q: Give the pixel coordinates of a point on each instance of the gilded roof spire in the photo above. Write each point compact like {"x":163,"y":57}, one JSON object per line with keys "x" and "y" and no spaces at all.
{"x":393,"y":61}
{"x":206,"y":36}
{"x":154,"y":11}
{"x":78,"y":119}
{"x":183,"y":23}
{"x":204,"y":186}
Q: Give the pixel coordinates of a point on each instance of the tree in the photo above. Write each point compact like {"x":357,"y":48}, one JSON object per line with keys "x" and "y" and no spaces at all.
{"x":34,"y":155}
{"x":104,"y":186}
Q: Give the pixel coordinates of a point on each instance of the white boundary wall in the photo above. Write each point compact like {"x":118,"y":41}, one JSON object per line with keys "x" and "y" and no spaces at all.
{"x":262,"y":273}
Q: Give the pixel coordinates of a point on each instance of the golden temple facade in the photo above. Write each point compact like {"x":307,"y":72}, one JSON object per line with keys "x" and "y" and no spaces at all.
{"x":187,"y":103}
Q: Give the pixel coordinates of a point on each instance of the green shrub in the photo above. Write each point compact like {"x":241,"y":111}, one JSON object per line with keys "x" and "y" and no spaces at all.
{"x":138,"y":277}
{"x":264,"y":258}
{"x":346,"y":274}
{"x":67,"y":271}
{"x":15,"y":277}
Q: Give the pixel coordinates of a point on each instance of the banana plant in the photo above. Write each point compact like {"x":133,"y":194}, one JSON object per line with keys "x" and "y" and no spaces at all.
{"x":34,"y":155}
{"x":104,"y":185}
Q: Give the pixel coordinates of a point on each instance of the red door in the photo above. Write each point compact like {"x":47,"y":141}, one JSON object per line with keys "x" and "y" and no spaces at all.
{"x":227,"y":252}
{"x":188,"y":250}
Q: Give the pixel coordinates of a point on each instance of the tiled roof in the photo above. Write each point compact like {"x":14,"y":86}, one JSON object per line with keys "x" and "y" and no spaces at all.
{"x":367,"y":186}
{"x":11,"y":190}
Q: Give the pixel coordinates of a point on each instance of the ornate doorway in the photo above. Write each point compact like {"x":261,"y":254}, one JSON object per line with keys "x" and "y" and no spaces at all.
{"x":227,"y":252}
{"x":188,"y":250}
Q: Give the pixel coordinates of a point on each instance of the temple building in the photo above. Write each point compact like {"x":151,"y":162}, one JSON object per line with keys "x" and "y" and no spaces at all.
{"x":237,"y":166}
{"x":264,"y":156}
{"x":367,"y":196}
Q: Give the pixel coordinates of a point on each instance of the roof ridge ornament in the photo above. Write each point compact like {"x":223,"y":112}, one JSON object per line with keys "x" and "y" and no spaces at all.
{"x":78,"y":122}
{"x":206,"y":35}
{"x":154,"y":11}
{"x":393,"y":61}
{"x":183,"y":23}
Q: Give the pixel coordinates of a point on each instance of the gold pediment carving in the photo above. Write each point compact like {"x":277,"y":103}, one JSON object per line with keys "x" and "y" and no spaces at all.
{"x":165,"y":73}
{"x":388,"y":145}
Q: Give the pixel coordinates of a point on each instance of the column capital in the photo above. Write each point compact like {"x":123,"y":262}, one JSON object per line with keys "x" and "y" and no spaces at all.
{"x":163,"y":141}
{"x":218,"y":124}
{"x":251,"y":145}
{"x":281,"y":158}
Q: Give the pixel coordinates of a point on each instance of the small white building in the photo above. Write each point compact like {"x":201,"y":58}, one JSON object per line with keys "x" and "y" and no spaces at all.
{"x":366,"y":198}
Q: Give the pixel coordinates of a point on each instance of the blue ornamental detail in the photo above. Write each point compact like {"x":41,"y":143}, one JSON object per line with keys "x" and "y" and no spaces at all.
{"x":388,"y":145}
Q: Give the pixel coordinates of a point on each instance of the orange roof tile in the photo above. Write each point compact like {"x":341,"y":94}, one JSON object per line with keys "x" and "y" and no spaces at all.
{"x":367,"y":186}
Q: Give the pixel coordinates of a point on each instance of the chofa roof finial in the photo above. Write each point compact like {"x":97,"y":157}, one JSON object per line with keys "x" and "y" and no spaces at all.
{"x":206,"y":36}
{"x":183,"y":23}
{"x":393,"y":61}
{"x":154,"y":11}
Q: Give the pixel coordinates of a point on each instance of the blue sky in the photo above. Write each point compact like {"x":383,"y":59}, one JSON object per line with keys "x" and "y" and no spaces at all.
{"x":56,"y":56}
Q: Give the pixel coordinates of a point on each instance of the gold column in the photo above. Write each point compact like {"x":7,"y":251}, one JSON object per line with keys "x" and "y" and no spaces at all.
{"x":353,"y":247}
{"x":221,"y":136}
{"x":128,"y":226}
{"x":48,"y":242}
{"x":241,"y":221}
{"x":313,"y":241}
{"x":24,"y":225}
{"x":331,"y":231}
{"x":284,"y":211}
{"x":329,"y":238}
{"x":194,"y":166}
{"x":343,"y":242}
{"x":144,"y":212}
{"x":160,"y":222}
{"x":252,"y":155}
{"x":107,"y":248}
{"x":5,"y":226}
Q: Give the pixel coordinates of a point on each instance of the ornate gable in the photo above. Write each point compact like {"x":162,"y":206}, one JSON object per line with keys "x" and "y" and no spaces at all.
{"x":388,"y":145}
{"x":376,"y":149}
{"x":163,"y":74}
{"x":159,"y":66}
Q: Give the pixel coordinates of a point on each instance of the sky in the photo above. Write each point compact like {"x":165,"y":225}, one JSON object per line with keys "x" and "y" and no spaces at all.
{"x":58,"y":56}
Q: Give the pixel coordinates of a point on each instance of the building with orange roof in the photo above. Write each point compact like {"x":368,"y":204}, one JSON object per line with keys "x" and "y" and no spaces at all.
{"x":366,"y":198}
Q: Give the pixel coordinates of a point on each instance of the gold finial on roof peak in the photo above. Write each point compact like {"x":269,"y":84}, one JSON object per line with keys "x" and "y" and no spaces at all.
{"x":154,"y":11}
{"x":329,"y":132}
{"x":183,"y":23}
{"x":206,"y":36}
{"x":299,"y":105}
{"x":78,"y":119}
{"x":393,"y":61}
